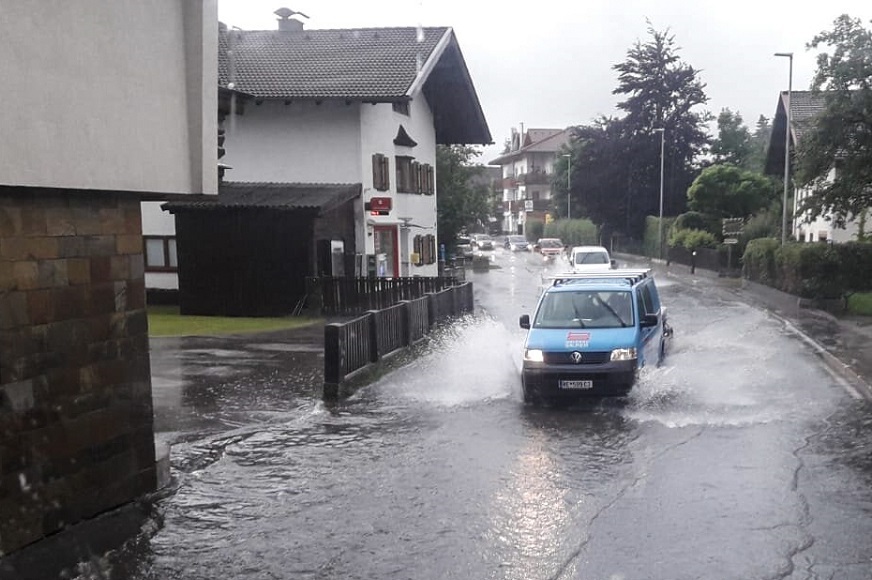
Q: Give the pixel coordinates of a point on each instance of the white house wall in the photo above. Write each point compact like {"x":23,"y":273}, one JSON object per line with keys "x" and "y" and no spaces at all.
{"x":378,"y":128}
{"x":124,"y":98}
{"x":821,"y":229}
{"x":156,"y":222}
{"x":296,"y":143}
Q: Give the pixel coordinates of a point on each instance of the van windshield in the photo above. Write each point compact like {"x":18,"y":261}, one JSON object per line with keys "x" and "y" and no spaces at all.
{"x":591,"y":258}
{"x":585,"y":309}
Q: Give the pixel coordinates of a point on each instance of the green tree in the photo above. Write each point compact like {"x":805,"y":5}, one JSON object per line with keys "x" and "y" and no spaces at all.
{"x":756,"y":159}
{"x":661,"y":91}
{"x":727,"y":191}
{"x":733,"y":143}
{"x":841,"y":136}
{"x":460,"y":203}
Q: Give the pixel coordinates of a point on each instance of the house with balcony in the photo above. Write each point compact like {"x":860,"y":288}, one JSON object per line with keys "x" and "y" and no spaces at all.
{"x":804,"y":107}
{"x":329,"y":164}
{"x":112,"y":103}
{"x":527,"y":169}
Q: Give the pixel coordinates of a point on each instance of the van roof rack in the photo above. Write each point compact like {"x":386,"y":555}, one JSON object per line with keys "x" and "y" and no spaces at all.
{"x":632,"y":276}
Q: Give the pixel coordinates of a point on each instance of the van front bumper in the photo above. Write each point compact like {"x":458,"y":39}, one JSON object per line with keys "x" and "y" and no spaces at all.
{"x":607,"y":379}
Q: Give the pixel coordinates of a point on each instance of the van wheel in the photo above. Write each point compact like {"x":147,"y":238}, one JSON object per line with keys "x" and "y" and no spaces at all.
{"x":530,"y":397}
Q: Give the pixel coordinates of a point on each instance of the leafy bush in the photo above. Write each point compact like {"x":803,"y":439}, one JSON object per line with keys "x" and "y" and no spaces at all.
{"x":579,"y":232}
{"x":694,"y":220}
{"x":652,"y":232}
{"x":692,"y":239}
{"x":810,"y":270}
{"x":758,"y":261}
{"x":856,"y":258}
{"x":534,"y":230}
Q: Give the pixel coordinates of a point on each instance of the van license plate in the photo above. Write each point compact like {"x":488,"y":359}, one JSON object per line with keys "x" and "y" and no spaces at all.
{"x":576,"y":384}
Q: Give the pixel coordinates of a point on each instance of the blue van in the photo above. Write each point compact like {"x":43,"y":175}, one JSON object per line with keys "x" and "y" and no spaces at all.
{"x":591,"y":333}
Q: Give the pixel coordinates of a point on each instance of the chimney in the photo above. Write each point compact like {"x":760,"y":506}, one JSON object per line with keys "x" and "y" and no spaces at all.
{"x":286,"y":23}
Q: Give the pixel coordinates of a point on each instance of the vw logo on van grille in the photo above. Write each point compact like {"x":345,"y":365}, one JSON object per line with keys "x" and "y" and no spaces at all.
{"x":576,"y":357}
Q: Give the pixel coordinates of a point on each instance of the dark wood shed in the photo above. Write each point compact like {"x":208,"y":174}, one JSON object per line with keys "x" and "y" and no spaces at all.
{"x":248,"y":252}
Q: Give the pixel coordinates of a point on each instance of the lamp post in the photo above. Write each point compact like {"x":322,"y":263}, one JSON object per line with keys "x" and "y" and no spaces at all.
{"x":568,"y":181}
{"x":662,"y":132}
{"x":789,"y":56}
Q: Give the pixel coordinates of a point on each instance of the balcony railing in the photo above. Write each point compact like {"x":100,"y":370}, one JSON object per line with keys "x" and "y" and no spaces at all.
{"x":534,"y":177}
{"x":527,"y":205}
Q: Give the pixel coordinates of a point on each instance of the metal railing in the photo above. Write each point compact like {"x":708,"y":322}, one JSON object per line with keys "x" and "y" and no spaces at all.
{"x":337,"y":296}
{"x":354,"y":345}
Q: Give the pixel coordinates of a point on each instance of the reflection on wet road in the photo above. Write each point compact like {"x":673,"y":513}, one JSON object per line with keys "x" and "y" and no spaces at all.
{"x":740,"y":458}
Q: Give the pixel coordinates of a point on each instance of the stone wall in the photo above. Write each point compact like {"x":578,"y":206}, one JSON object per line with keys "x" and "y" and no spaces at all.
{"x":76,"y":435}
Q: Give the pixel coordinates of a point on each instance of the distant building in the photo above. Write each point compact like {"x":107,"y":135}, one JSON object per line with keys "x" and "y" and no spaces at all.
{"x":527,"y":170}
{"x":805,"y":107}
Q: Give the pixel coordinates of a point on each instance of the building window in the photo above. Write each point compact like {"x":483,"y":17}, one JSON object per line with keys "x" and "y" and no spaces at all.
{"x":402,"y":108}
{"x":160,"y":254}
{"x":424,"y":248}
{"x":414,"y":177}
{"x":381,"y":172}
{"x":405,"y":174}
{"x":822,"y":235}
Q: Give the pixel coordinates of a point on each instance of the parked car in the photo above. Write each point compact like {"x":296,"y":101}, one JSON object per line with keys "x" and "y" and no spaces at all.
{"x":591,"y":333}
{"x":590,"y":259}
{"x":549,"y":247}
{"x":464,"y":247}
{"x":482,"y":242}
{"x":516,"y":243}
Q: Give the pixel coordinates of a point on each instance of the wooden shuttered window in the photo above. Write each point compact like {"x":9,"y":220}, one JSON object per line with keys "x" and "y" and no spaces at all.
{"x":381,"y":179}
{"x":425,"y":249}
{"x":414,"y":177}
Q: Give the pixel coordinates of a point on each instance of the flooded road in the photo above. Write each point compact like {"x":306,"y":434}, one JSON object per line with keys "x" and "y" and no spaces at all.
{"x":740,"y":458}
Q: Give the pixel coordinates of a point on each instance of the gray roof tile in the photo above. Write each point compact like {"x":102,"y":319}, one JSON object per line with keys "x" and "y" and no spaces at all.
{"x":359,"y":64}
{"x":283,"y":196}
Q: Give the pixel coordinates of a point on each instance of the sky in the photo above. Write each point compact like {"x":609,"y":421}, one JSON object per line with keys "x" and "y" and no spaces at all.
{"x":551,"y":64}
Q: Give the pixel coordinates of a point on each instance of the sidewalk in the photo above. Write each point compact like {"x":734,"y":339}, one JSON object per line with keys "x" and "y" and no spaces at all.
{"x":844,"y":343}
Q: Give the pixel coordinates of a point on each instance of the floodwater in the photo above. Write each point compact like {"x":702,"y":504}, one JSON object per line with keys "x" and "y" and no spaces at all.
{"x":740,"y":458}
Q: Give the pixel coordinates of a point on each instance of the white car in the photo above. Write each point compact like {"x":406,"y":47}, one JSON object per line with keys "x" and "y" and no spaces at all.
{"x":590,"y":259}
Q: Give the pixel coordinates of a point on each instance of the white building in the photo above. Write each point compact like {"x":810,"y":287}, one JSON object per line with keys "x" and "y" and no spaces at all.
{"x":363,"y":107}
{"x":804,"y":107}
{"x":106,"y":104}
{"x":527,"y":170}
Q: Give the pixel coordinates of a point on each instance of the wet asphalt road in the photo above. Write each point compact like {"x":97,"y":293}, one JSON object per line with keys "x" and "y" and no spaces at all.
{"x":741,"y":458}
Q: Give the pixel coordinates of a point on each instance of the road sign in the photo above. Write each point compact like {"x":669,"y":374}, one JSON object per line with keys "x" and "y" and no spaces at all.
{"x":732,"y":227}
{"x":731,"y":241}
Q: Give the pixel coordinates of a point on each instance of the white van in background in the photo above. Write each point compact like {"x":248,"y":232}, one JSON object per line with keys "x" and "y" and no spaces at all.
{"x":590,"y":259}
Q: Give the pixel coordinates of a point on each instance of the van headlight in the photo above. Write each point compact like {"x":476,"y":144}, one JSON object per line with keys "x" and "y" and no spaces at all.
{"x":534,"y":355}
{"x":623,"y":354}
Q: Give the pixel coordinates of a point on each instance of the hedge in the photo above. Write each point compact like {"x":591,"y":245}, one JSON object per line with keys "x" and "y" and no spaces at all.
{"x":810,"y":270}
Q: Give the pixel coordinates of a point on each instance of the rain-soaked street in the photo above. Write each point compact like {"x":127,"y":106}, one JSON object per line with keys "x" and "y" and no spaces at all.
{"x":741,"y":458}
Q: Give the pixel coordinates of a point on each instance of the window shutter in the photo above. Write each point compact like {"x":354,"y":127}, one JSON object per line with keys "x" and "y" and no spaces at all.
{"x":386,"y":173}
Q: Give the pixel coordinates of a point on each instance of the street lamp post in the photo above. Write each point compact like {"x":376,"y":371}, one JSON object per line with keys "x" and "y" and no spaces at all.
{"x":789,"y":56}
{"x":662,"y":132}
{"x":568,"y":181}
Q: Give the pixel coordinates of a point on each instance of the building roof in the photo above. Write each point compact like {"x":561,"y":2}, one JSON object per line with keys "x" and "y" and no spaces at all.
{"x":317,"y":197}
{"x":550,"y":141}
{"x":374,"y":65}
{"x":805,"y":106}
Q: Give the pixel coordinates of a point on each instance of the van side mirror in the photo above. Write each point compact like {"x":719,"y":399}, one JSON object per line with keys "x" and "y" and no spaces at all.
{"x":614,"y":264}
{"x":525,"y":321}
{"x":648,"y":320}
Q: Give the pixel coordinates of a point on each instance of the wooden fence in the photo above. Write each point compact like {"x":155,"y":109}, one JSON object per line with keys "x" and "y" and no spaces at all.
{"x":352,"y":346}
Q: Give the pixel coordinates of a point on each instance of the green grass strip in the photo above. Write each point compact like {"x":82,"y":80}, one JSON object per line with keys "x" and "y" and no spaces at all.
{"x":166,"y":321}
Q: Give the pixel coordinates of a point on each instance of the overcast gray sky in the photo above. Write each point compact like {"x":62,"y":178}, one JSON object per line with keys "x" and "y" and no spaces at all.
{"x":551,"y":65}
